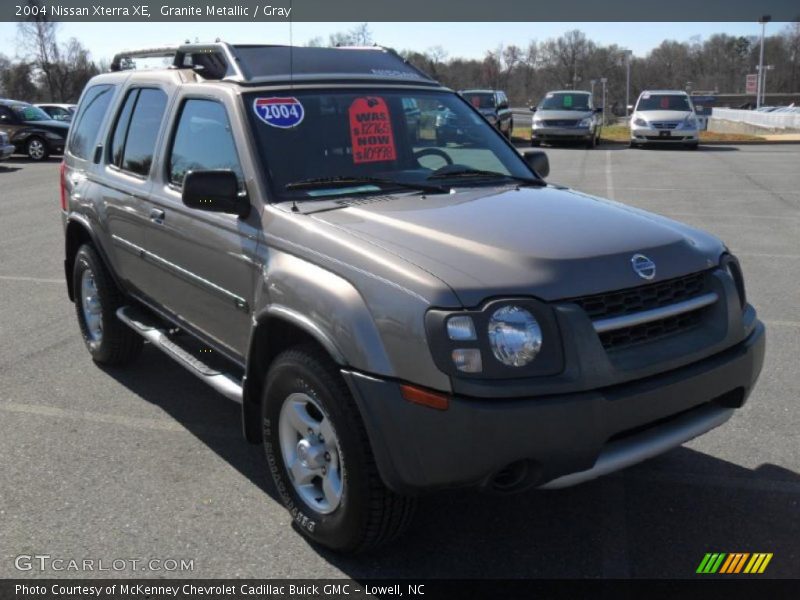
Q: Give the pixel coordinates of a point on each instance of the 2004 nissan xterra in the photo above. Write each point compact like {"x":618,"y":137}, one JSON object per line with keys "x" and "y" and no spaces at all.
{"x":394,"y":315}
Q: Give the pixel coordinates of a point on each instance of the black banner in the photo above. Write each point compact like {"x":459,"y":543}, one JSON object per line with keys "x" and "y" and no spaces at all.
{"x":397,"y":10}
{"x":345,"y":589}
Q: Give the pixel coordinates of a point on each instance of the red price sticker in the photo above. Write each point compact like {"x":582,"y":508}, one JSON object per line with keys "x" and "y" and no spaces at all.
{"x":371,"y":130}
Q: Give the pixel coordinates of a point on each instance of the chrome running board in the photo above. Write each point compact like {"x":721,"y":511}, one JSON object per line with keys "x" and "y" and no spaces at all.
{"x":154,"y":332}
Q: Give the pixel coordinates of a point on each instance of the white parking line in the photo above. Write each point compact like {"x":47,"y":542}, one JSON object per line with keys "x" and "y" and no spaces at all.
{"x":109,"y":419}
{"x":778,"y":323}
{"x":609,"y":177}
{"x":33,"y":279}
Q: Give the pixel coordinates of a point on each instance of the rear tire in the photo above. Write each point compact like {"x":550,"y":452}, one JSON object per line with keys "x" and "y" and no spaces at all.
{"x":591,"y":142}
{"x":692,"y":146}
{"x":97,"y":298}
{"x":365,"y":513}
{"x":36,"y":149}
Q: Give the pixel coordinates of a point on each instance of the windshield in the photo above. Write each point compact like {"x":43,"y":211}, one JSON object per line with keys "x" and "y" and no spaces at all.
{"x":664,"y":102}
{"x":308,"y":139}
{"x":30,"y":113}
{"x":565,"y":101}
{"x":479,"y":99}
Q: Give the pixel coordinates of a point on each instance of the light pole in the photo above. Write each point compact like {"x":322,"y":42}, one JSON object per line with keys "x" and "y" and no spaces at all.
{"x":591,"y":83}
{"x":603,"y":80}
{"x":628,"y":56}
{"x":765,"y":68}
{"x":763,"y":20}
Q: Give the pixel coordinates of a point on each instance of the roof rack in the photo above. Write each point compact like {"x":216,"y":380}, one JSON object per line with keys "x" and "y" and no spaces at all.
{"x":261,"y":64}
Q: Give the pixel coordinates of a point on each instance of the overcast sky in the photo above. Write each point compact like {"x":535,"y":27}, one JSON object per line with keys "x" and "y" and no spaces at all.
{"x":470,"y":40}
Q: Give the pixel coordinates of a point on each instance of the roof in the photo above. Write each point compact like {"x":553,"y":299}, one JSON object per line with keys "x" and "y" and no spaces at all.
{"x":259,"y":64}
{"x":8,"y":102}
{"x":666,"y":92}
{"x":587,"y":92}
{"x":477,"y":91}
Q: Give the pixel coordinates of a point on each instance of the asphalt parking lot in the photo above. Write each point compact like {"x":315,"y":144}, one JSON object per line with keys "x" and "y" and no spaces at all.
{"x":148,"y":463}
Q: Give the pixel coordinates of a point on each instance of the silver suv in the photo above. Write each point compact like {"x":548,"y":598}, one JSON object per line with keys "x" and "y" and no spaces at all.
{"x":393,"y":315}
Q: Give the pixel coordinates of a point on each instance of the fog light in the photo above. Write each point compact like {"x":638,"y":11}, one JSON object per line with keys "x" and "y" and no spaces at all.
{"x":461,"y":328}
{"x":468,"y":360}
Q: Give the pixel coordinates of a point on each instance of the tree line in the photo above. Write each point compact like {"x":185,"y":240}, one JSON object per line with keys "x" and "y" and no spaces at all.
{"x":49,"y":70}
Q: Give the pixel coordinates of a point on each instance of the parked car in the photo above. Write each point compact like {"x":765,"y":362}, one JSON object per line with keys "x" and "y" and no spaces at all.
{"x":664,"y":117}
{"x":456,"y":127}
{"x":31,"y":130}
{"x":6,"y":147}
{"x":493,"y":104}
{"x":59,"y":112}
{"x":389,"y":326}
{"x":566,"y":115}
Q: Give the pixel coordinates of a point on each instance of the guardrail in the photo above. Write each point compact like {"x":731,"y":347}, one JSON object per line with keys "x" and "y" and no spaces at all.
{"x":758,"y":119}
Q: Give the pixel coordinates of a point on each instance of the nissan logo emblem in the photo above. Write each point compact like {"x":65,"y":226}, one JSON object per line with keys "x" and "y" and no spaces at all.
{"x":644,"y":267}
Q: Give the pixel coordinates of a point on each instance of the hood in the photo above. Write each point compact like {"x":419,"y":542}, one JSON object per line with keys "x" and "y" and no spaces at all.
{"x":560,"y":115}
{"x":59,"y":127}
{"x":663,"y":115}
{"x":548,"y":242}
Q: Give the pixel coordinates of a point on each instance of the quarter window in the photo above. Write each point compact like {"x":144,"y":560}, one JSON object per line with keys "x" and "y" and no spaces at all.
{"x":202,"y":141}
{"x":93,"y":110}
{"x":141,"y":130}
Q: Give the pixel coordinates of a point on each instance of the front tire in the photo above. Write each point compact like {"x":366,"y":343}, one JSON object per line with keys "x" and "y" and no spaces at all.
{"x":109,"y":341}
{"x":320,"y":457}
{"x":36,"y":149}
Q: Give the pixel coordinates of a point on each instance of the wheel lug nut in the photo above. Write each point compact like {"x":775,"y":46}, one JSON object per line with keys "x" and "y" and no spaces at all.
{"x":324,"y":470}
{"x":328,"y":456}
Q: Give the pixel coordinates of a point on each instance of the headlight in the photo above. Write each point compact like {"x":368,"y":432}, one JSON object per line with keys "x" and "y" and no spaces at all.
{"x":514,"y":336}
{"x":587,"y":122}
{"x":640,"y":122}
{"x":492,"y":119}
{"x":502,"y":339}
{"x":690,"y":123}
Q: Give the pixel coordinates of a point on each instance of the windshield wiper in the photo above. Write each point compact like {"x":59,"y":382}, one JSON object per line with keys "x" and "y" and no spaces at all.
{"x":481,"y":174}
{"x":347,"y":180}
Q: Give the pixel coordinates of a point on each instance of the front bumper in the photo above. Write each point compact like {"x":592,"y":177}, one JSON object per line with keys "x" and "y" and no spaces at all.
{"x":544,"y":133}
{"x":6,"y":151}
{"x":553,"y":440}
{"x":652,"y":135}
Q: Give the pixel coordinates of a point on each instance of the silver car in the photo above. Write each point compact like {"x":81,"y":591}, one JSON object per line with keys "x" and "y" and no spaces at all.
{"x":566,"y":115}
{"x":664,"y":117}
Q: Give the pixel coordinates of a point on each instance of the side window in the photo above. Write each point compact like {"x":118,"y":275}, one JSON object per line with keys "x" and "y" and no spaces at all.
{"x":138,"y":145}
{"x":202,"y":141}
{"x":91,"y":113}
{"x":6,"y":116}
{"x":121,"y":128}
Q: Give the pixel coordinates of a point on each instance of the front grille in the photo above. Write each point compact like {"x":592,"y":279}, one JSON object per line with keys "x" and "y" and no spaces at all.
{"x":560,"y":122}
{"x":646,"y":297}
{"x":658,"y":138}
{"x":665,"y":124}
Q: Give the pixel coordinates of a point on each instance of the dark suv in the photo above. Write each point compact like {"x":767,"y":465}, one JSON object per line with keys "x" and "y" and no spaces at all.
{"x":393,"y":315}
{"x":492,"y":104}
{"x":31,"y":130}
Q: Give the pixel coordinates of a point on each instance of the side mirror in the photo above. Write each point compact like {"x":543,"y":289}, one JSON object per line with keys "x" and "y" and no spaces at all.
{"x":533,"y":108}
{"x":214,"y":191}
{"x":598,"y":110}
{"x":537,"y":160}
{"x":630,"y":107}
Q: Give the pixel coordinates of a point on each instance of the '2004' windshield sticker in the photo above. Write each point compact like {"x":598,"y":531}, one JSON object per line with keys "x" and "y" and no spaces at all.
{"x":279,"y":112}
{"x":371,"y":130}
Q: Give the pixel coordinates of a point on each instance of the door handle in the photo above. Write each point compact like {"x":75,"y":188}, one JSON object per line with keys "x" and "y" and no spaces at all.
{"x":157,"y":215}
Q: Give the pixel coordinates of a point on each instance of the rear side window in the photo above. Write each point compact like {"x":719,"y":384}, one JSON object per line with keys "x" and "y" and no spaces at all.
{"x":202,"y":141}
{"x":91,"y":113}
{"x":134,"y":139}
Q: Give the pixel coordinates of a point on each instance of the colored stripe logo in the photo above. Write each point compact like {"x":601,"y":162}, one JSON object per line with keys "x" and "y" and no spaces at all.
{"x":734,"y":563}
